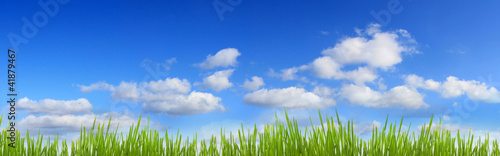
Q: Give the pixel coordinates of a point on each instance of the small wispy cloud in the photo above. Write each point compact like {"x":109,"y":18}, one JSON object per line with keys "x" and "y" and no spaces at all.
{"x":456,"y":51}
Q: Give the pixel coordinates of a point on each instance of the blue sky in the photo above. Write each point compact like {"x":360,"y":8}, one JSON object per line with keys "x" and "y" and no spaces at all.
{"x":184,"y":65}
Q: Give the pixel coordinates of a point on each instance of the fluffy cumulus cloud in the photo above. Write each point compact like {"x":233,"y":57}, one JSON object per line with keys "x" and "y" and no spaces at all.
{"x":371,"y":50}
{"x":366,"y":54}
{"x":55,"y":107}
{"x":379,"y":49}
{"x":71,"y":122}
{"x":193,"y":103}
{"x":126,"y":91}
{"x":254,"y":84}
{"x":219,"y":80}
{"x":223,"y":58}
{"x":360,"y":75}
{"x":291,"y":97}
{"x":325,"y":67}
{"x":419,"y":82}
{"x":171,"y":96}
{"x":453,"y":87}
{"x":63,"y":116}
{"x":399,"y":96}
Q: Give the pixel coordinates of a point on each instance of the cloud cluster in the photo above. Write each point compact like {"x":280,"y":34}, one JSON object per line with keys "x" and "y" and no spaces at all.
{"x":291,"y":97}
{"x":327,"y":68}
{"x":373,"y":49}
{"x":57,"y":107}
{"x":370,"y":51}
{"x":72,"y":123}
{"x":399,"y":96}
{"x":453,"y":87}
{"x":171,"y":96}
{"x":219,"y":80}
{"x":66,"y":116}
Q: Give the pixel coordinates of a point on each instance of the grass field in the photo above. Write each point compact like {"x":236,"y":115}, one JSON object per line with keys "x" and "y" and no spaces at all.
{"x":277,"y":139}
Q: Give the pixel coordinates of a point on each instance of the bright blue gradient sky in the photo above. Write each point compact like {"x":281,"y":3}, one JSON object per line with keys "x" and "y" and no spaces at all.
{"x":107,"y":43}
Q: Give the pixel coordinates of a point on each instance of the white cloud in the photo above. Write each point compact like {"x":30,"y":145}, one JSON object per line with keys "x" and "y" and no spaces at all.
{"x":453,"y":87}
{"x":219,"y":80}
{"x":323,"y":91}
{"x":171,"y":96}
{"x":325,"y":67}
{"x":361,"y":95}
{"x":360,"y":75}
{"x":50,"y":106}
{"x":255,"y":84}
{"x":285,"y":74}
{"x":290,"y":97}
{"x":399,"y":96}
{"x":95,"y":86}
{"x":475,"y":90}
{"x":381,"y":49}
{"x":405,"y":97}
{"x":71,"y":123}
{"x":371,"y":50}
{"x":416,"y":81}
{"x":126,"y":91}
{"x":223,"y":58}
{"x":194,"y":103}
{"x":169,"y":85}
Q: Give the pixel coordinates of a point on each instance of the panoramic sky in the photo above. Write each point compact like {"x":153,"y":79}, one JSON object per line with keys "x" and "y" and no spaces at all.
{"x":197,"y":66}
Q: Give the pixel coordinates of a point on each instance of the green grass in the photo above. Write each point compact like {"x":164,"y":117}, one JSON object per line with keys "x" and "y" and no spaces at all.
{"x":277,"y":139}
